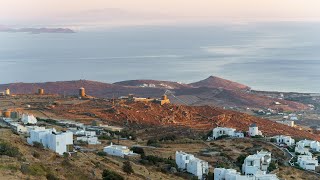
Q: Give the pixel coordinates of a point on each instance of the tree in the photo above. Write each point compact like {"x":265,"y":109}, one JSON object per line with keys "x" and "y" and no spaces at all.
{"x":127,"y":168}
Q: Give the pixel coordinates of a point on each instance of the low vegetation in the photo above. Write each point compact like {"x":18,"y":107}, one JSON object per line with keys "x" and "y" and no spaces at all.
{"x":111,"y":175}
{"x":9,"y":150}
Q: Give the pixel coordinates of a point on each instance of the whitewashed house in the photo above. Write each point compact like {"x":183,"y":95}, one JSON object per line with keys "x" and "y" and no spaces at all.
{"x":192,"y":164}
{"x":287,"y":122}
{"x":232,"y":174}
{"x":223,"y":131}
{"x":307,"y":162}
{"x":254,"y":130}
{"x":18,"y":128}
{"x":300,"y":149}
{"x":256,"y":163}
{"x":85,"y":133}
{"x":117,"y":150}
{"x":59,"y":142}
{"x":315,"y":146}
{"x":287,"y":140}
{"x":28,"y":119}
{"x":89,"y":139}
{"x":30,"y":128}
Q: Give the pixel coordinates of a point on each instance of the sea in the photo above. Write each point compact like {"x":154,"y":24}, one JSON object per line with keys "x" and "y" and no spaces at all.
{"x":273,"y":56}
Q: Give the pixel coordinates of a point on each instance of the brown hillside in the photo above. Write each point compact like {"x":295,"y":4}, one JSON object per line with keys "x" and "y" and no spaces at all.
{"x":199,"y":118}
{"x":216,"y":82}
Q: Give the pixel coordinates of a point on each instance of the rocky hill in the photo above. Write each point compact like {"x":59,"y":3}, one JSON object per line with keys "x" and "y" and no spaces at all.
{"x":216,"y":82}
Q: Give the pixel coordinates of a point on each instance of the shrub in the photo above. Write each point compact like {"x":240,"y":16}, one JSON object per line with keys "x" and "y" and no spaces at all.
{"x":240,"y":160}
{"x":104,"y":137}
{"x":168,"y":138}
{"x":38,"y":145}
{"x":138,"y":150}
{"x":152,"y":142}
{"x":222,"y":137}
{"x":9,"y":150}
{"x":257,"y":136}
{"x":111,"y":175}
{"x":101,"y":153}
{"x":36,"y":154}
{"x":272,"y":166}
{"x":127,"y":168}
{"x":36,"y":170}
{"x":51,"y":176}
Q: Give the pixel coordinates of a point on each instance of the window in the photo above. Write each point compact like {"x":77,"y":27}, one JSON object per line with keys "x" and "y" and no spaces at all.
{"x":57,"y":143}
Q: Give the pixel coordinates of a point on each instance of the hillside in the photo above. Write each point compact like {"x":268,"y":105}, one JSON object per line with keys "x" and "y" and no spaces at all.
{"x":216,"y":82}
{"x":197,"y":118}
{"x":211,"y":91}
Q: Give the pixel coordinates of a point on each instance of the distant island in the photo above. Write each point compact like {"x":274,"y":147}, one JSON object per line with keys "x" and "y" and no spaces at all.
{"x":36,"y":30}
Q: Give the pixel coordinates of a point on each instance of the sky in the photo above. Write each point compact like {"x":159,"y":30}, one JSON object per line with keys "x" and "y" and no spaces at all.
{"x":104,"y":13}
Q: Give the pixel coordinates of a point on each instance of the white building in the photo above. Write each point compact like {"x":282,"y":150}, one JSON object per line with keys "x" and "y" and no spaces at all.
{"x":117,"y":150}
{"x":287,"y":122}
{"x":222,"y":131}
{"x":59,"y":142}
{"x":28,"y":119}
{"x":256,"y":163}
{"x":85,"y":133}
{"x":30,"y":128}
{"x":287,"y":140}
{"x":307,"y":162}
{"x":232,"y":174}
{"x":303,"y":146}
{"x":315,"y":146}
{"x":18,"y":128}
{"x":254,"y":130}
{"x":192,"y":164}
{"x":300,"y":148}
{"x":89,"y":139}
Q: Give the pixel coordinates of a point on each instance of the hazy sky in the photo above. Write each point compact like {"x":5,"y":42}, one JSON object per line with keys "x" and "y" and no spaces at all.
{"x":127,"y":12}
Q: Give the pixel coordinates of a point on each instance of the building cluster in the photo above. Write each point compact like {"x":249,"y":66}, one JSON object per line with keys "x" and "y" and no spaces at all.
{"x":305,"y":159}
{"x":284,"y":140}
{"x":230,"y":132}
{"x":59,"y":142}
{"x":255,"y":167}
{"x":83,"y":135}
{"x":224,"y":131}
{"x":131,"y":98}
{"x":191,"y":164}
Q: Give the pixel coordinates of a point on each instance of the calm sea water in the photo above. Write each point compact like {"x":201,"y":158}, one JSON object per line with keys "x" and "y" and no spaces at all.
{"x":270,"y":56}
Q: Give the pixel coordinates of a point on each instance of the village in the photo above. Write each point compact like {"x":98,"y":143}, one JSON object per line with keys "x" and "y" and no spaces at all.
{"x":67,"y":137}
